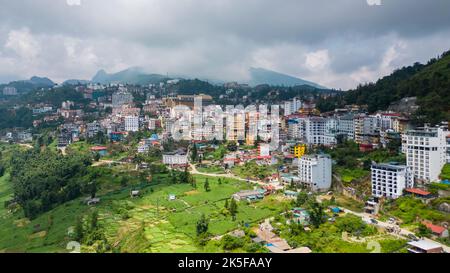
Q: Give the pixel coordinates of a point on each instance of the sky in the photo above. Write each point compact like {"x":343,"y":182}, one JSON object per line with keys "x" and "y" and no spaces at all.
{"x":335,"y":43}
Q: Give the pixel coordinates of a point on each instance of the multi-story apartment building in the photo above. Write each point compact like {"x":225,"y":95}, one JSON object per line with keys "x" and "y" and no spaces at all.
{"x":314,"y":172}
{"x":390,"y":180}
{"x":131,"y":123}
{"x":291,"y":107}
{"x":314,"y":130}
{"x":175,"y":159}
{"x":93,"y":128}
{"x":235,"y":124}
{"x":10,"y":91}
{"x":426,"y":152}
{"x":365,"y":128}
{"x":346,"y":126}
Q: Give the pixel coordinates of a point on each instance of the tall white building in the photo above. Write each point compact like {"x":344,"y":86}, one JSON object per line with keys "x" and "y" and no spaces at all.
{"x":346,"y":126}
{"x":314,"y":172}
{"x":291,"y":107}
{"x":390,"y":180}
{"x":131,"y":123}
{"x":365,"y":127}
{"x":9,"y":91}
{"x":426,"y":152}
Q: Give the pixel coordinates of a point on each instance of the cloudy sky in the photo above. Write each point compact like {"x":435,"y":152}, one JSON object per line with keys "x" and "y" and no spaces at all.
{"x":336,"y":43}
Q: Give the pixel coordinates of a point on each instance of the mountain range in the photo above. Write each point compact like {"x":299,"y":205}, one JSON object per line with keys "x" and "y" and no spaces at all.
{"x":133,"y":75}
{"x":258,"y":76}
{"x":31,"y":84}
{"x":264,"y":76}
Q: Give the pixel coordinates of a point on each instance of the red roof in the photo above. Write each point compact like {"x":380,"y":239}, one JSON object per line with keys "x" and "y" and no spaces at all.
{"x":418,"y":191}
{"x":434,"y":228}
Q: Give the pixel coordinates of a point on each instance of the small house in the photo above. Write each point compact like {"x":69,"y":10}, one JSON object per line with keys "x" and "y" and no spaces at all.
{"x":436,"y":230}
{"x":101,"y":150}
{"x":249,"y":195}
{"x":424,"y":246}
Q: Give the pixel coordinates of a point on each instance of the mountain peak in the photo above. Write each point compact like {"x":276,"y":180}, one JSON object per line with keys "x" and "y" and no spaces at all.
{"x":264,"y":76}
{"x":132,"y":75}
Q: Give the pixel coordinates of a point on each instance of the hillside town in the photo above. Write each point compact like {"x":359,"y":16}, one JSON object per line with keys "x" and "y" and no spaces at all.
{"x":190,"y":133}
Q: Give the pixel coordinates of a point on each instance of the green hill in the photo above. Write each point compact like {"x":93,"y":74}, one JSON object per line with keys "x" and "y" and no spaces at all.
{"x":430,"y":83}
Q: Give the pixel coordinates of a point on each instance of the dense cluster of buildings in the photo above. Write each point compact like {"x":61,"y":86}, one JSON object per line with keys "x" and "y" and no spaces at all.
{"x":296,"y":127}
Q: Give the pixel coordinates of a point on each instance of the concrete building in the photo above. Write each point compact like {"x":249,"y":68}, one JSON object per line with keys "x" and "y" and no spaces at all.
{"x":291,"y":107}
{"x":175,"y":159}
{"x":10,"y":91}
{"x":314,"y":172}
{"x":426,"y":152}
{"x":424,"y":246}
{"x":93,"y":128}
{"x":320,"y":131}
{"x":132,"y":124}
{"x":390,"y":180}
{"x":346,"y":126}
{"x":365,"y":128}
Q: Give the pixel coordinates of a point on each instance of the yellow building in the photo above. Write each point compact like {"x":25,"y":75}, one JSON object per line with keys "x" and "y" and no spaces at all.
{"x":299,"y":150}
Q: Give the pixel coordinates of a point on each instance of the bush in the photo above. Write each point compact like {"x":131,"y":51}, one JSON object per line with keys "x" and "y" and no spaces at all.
{"x":230,"y":243}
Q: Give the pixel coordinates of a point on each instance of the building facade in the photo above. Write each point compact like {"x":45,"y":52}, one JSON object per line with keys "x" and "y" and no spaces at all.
{"x":314,"y":172}
{"x":426,"y":152}
{"x":390,"y":180}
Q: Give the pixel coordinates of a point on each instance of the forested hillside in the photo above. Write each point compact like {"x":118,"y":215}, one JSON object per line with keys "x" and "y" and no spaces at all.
{"x":430,"y":83}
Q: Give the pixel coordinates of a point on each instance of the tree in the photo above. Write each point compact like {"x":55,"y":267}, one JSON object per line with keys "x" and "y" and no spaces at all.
{"x":194,"y":153}
{"x":123,"y":181}
{"x":227,"y":205}
{"x":202,"y":225}
{"x":93,"y":189}
{"x":79,"y":233}
{"x":423,"y":231}
{"x":230,"y":242}
{"x":302,"y":198}
{"x":94,"y":220}
{"x":207,"y":187}
{"x":174,"y":179}
{"x":317,"y":214}
{"x":233,"y":208}
{"x":97,"y":157}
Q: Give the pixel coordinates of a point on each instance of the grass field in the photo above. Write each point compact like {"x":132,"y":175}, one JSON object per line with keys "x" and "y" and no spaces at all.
{"x":211,"y":169}
{"x":150,"y":223}
{"x":348,"y":175}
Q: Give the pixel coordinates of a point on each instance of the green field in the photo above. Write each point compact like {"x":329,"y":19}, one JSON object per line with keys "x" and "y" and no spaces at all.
{"x":150,"y":223}
{"x":349,"y":175}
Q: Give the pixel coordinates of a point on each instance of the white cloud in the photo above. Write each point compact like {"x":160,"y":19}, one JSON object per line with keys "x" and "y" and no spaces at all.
{"x":73,"y":2}
{"x":340,"y":46}
{"x":374,"y":2}
{"x":22,"y":43}
{"x":317,"y":60}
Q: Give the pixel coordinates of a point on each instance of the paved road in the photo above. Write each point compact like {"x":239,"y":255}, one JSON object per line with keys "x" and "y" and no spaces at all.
{"x":106,"y":162}
{"x":232,"y":176}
